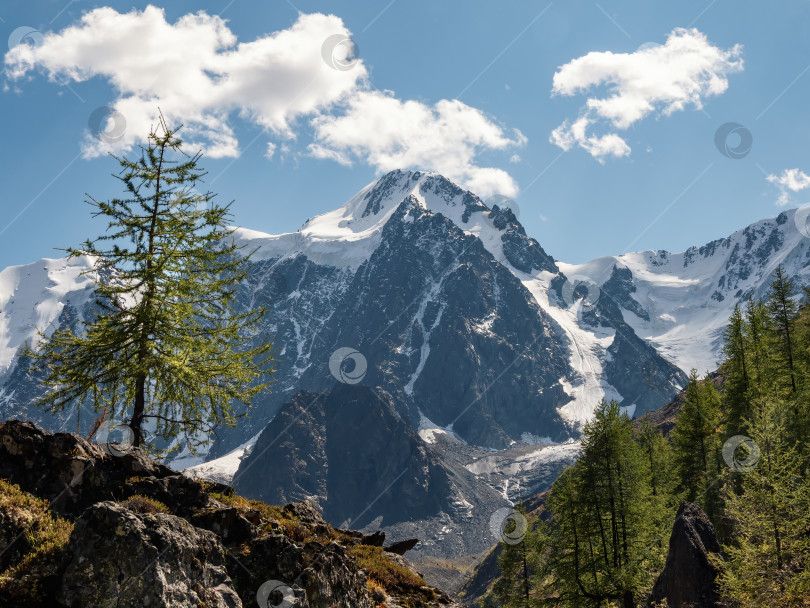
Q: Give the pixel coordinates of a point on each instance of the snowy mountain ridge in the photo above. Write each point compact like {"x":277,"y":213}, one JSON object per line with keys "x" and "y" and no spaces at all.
{"x":347,"y":236}
{"x":680,"y":302}
{"x":33,"y":296}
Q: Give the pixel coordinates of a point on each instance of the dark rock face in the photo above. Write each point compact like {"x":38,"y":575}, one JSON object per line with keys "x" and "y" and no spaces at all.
{"x":227,"y":523}
{"x":144,"y":561}
{"x":347,"y":447}
{"x":620,"y":287}
{"x":522,"y":251}
{"x":73,"y":473}
{"x":460,"y":318}
{"x":689,"y":578}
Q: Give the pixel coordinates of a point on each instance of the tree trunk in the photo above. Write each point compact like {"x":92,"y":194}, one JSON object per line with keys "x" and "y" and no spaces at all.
{"x":629,"y":601}
{"x":138,"y":411}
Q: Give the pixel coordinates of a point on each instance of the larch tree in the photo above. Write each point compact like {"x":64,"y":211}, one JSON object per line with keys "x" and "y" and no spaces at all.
{"x":601,"y":543}
{"x":735,"y":370}
{"x":781,"y":315}
{"x":696,"y":442}
{"x":168,"y":348}
{"x":769,"y":550}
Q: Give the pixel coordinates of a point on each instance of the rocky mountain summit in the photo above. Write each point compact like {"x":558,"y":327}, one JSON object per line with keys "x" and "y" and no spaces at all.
{"x":87,"y":525}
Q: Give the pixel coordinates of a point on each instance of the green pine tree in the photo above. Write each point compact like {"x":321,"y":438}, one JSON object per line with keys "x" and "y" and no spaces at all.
{"x":658,"y":458}
{"x":781,"y":315}
{"x":695,"y":442}
{"x":602,"y":542}
{"x":759,"y":375}
{"x":735,"y":370}
{"x":168,"y":347}
{"x":769,"y":553}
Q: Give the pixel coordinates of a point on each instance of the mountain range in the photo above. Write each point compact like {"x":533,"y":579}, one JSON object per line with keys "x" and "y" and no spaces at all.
{"x":435,"y":363}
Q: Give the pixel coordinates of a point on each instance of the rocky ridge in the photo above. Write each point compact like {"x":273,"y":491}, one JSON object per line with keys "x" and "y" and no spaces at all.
{"x":100,"y":525}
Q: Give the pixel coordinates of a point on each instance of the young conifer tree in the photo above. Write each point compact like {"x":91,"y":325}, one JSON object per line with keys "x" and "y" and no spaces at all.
{"x":781,"y":316}
{"x":735,"y":370}
{"x":168,"y":346}
{"x":695,"y":438}
{"x":770,"y":548}
{"x":517,"y":563}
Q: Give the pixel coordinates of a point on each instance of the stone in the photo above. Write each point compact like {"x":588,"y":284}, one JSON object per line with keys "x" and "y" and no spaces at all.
{"x":144,"y":561}
{"x":402,"y":547}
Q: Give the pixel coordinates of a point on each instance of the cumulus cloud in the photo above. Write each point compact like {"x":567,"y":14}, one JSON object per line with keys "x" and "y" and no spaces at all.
{"x":388,"y":133}
{"x":791,"y":180}
{"x":198,"y":73}
{"x":655,"y":79}
{"x":195,"y":70}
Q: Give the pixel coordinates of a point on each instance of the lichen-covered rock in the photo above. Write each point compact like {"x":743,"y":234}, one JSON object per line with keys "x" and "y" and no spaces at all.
{"x":226,"y":522}
{"x":321,"y":574}
{"x":65,"y":469}
{"x":144,"y":561}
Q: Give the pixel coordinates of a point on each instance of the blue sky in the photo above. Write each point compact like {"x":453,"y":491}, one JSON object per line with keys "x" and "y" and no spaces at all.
{"x":464,"y":87}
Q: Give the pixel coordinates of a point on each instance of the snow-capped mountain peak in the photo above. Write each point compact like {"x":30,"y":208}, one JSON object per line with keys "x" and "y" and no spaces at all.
{"x":346,"y":236}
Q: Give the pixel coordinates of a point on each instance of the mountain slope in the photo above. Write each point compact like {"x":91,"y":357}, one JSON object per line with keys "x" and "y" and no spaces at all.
{"x":460,"y":315}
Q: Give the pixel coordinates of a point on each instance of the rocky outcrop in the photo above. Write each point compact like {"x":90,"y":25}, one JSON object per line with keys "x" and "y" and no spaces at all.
{"x":123,"y":530}
{"x":402,"y":547}
{"x":689,"y":578}
{"x":143,"y":561}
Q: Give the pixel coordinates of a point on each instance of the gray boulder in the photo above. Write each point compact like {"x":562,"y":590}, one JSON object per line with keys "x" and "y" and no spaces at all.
{"x":144,"y":561}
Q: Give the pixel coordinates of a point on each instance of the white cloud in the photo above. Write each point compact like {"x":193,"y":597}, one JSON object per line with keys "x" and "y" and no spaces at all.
{"x":195,"y":71}
{"x":271,"y":150}
{"x":659,"y":79}
{"x":198,"y":73}
{"x":791,"y":180}
{"x":388,"y":133}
